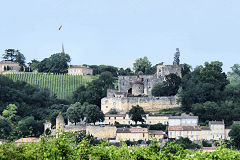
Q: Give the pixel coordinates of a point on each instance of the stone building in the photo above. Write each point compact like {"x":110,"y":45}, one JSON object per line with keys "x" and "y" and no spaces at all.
{"x":9,"y":66}
{"x":214,"y":131}
{"x":80,"y":70}
{"x":137,"y":90}
{"x":135,"y":134}
{"x":184,"y":120}
{"x":150,"y":119}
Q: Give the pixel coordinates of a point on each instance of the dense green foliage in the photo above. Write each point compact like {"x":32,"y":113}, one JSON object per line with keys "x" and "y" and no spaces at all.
{"x":62,"y":85}
{"x":205,"y":83}
{"x":74,"y":113}
{"x":24,"y":107}
{"x":136,"y":113}
{"x":94,"y":114}
{"x":206,"y":93}
{"x":158,"y":126}
{"x":95,"y":90}
{"x":68,"y":148}
{"x":167,"y":88}
{"x":56,"y":63}
{"x":235,"y":135}
{"x":15,"y":56}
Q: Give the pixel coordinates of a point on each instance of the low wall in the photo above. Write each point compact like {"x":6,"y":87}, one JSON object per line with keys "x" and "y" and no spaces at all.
{"x":102,"y":131}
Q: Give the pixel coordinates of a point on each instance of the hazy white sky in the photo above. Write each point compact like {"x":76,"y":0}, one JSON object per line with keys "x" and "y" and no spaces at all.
{"x":116,"y":32}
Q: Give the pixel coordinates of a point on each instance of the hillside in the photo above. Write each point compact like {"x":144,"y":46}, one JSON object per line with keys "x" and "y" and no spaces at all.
{"x":62,"y":85}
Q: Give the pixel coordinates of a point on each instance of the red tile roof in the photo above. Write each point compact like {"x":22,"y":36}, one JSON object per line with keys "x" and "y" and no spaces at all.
{"x":156,"y":132}
{"x":78,"y":66}
{"x":28,"y":140}
{"x":184,"y":128}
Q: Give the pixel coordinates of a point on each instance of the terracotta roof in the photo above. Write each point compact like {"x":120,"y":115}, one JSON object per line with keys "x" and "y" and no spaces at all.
{"x":132,"y":130}
{"x":184,"y":128}
{"x":138,"y":130}
{"x":123,"y":130}
{"x":78,"y":66}
{"x":115,"y":115}
{"x":28,"y":140}
{"x":216,"y":122}
{"x":139,"y":81}
{"x":183,"y":117}
{"x":205,"y":128}
{"x":8,"y":62}
{"x":236,"y":122}
{"x":156,"y":132}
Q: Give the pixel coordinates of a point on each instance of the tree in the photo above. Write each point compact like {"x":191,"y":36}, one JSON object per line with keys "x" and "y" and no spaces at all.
{"x":34,"y":64}
{"x":235,"y":135}
{"x":15,"y":56}
{"x":5,"y":128}
{"x":56,"y":63}
{"x":136,"y":113}
{"x":95,"y":90}
{"x":167,"y":88}
{"x":28,"y":126}
{"x":205,"y":83}
{"x":143,"y":65}
{"x":10,"y":112}
{"x":75,"y":113}
{"x":235,"y":69}
{"x":158,"y":126}
{"x":94,"y":114}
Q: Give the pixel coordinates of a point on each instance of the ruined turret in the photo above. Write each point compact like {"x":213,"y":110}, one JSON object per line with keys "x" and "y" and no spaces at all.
{"x":60,"y":124}
{"x":138,"y":87}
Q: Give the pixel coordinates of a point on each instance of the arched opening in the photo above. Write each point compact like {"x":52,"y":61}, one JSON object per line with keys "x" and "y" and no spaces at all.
{"x":130,"y":91}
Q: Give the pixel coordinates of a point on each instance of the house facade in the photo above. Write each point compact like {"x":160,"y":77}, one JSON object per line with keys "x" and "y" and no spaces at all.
{"x":80,"y":70}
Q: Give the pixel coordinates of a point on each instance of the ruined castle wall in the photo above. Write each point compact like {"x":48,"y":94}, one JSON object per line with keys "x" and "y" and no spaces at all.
{"x":163,"y":70}
{"x":102,"y":131}
{"x":73,"y":128}
{"x":123,"y":105}
{"x":126,"y":82}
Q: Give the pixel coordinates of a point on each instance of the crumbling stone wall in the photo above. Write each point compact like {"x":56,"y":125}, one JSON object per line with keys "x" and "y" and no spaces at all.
{"x":123,"y":105}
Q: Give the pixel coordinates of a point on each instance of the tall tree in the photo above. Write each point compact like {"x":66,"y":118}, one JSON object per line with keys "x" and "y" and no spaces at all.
{"x":94,"y":114}
{"x":75,"y":113}
{"x":136,"y":114}
{"x":56,"y":63}
{"x":15,"y":56}
{"x":235,"y":135}
{"x":10,"y":112}
{"x":167,"y":88}
{"x":143,"y":65}
{"x":95,"y":90}
{"x":205,"y":83}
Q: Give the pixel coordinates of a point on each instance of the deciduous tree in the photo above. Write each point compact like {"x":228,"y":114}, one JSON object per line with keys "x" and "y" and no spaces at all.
{"x":136,"y":113}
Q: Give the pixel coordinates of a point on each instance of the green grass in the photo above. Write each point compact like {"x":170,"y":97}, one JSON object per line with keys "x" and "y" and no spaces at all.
{"x":62,"y":85}
{"x":172,"y":111}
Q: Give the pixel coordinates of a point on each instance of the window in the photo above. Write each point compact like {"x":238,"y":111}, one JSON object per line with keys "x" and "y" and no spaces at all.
{"x":123,"y":117}
{"x":143,"y":135}
{"x":114,"y":117}
{"x":109,"y":117}
{"x":106,"y":106}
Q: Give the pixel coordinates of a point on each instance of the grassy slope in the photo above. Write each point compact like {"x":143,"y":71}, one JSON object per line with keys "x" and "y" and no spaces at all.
{"x":62,"y":85}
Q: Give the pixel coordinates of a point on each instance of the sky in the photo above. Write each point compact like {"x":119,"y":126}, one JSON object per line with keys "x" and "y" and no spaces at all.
{"x":116,"y":32}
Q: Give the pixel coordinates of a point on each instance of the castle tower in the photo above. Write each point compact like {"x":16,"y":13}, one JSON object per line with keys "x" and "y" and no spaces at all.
{"x":60,"y":124}
{"x":138,"y":87}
